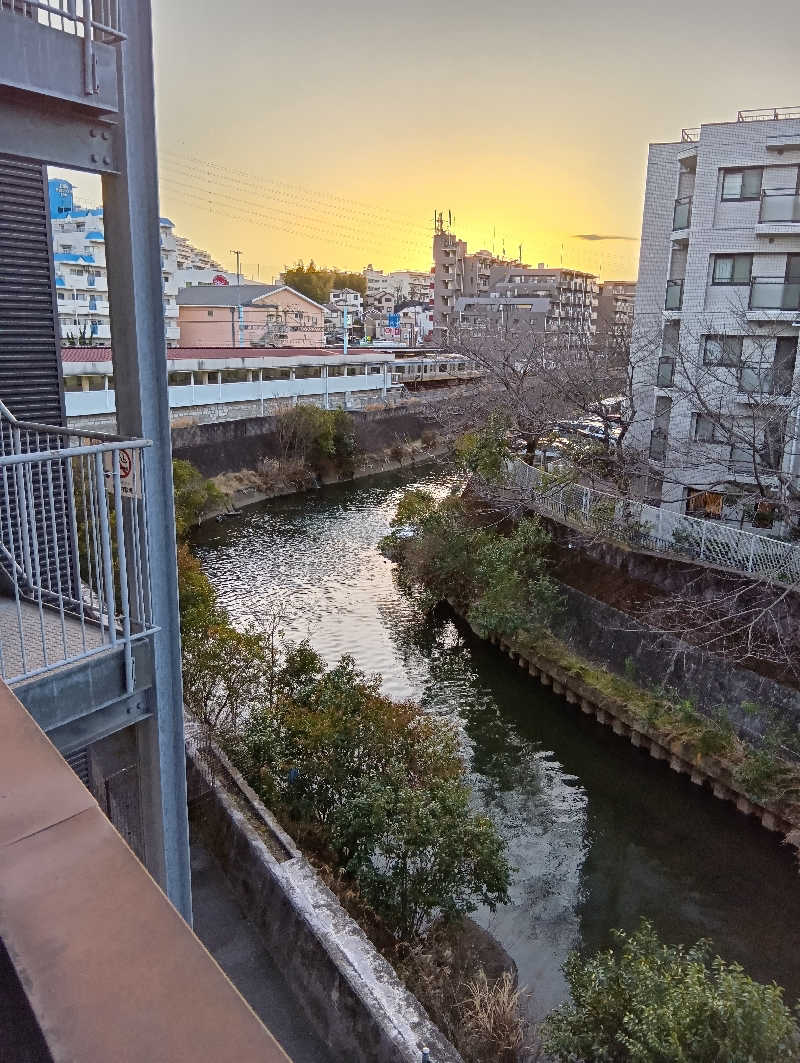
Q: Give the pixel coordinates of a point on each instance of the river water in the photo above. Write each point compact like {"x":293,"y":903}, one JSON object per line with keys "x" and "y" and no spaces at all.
{"x":600,"y":834}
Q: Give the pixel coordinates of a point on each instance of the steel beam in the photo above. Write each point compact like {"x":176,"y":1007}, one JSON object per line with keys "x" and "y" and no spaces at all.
{"x":140,"y":370}
{"x":66,"y":694}
{"x":57,"y":135}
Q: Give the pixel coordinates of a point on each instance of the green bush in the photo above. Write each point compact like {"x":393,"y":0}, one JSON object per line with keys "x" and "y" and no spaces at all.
{"x":647,"y":1002}
{"x":316,"y":436}
{"x":377,"y":786}
{"x":194,"y":496}
{"x":485,"y":452}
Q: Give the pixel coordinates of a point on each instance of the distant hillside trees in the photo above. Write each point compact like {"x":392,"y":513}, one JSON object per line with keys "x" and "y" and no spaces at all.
{"x":318,"y":282}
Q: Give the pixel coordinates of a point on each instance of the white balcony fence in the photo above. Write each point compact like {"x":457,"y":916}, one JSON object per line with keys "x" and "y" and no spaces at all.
{"x":660,"y":530}
{"x":73,"y":547}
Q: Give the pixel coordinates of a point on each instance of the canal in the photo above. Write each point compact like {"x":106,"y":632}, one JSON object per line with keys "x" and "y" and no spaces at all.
{"x":599,"y":833}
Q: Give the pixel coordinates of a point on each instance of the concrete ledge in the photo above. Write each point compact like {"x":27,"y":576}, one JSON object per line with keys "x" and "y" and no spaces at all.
{"x":349,"y":992}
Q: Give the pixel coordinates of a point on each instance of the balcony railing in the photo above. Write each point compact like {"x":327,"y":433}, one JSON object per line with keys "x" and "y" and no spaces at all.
{"x":773,"y":293}
{"x":73,"y":547}
{"x":690,"y":136}
{"x":91,"y":19}
{"x":767,"y":114}
{"x":779,"y":205}
{"x":658,"y":529}
{"x":682,"y":213}
{"x":674,"y":299}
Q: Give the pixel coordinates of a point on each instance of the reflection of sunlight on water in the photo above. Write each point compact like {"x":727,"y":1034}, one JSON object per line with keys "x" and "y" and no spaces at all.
{"x":598,"y":836}
{"x":316,"y":559}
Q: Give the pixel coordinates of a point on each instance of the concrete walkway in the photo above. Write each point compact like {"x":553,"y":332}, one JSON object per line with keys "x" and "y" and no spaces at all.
{"x":237,"y":948}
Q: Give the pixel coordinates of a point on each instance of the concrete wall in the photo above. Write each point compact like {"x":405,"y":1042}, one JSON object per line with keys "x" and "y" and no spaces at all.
{"x":607,"y":635}
{"x":228,"y":446}
{"x":350,"y":994}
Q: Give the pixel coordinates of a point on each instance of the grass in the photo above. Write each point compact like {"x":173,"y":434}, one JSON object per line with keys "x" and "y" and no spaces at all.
{"x":761,"y":773}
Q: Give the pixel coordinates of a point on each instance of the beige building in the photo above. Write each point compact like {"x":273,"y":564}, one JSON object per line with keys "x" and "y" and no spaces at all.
{"x":456,"y":275}
{"x":249,"y":315}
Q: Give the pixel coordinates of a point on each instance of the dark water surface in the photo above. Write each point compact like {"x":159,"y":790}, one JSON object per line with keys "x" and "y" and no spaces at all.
{"x":600,"y":833}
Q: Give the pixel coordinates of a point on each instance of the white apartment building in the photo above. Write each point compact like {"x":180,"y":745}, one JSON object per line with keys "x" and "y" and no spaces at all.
{"x":717,"y":313}
{"x":402,"y":285}
{"x":190,"y":257}
{"x":79,"y":256}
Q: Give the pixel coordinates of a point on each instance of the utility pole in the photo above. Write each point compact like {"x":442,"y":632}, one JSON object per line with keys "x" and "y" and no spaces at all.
{"x":238,"y":270}
{"x":344,"y":329}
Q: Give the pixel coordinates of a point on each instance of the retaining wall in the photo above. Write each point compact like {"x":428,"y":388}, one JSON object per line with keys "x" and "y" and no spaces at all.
{"x":228,"y":446}
{"x":602,"y":633}
{"x":349,"y":992}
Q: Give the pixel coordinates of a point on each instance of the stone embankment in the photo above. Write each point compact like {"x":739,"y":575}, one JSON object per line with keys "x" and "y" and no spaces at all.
{"x":712,"y":772}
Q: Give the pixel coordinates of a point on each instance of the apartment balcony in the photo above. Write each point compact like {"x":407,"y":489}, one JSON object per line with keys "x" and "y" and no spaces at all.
{"x":779,"y":213}
{"x":673,"y":301}
{"x":172,"y":332}
{"x":773,"y":299}
{"x":66,"y":53}
{"x":682,"y":218}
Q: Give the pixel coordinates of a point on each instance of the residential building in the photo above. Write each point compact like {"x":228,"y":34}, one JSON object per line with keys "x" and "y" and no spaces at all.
{"x":190,"y":257}
{"x":556,"y":301}
{"x":81,"y":277}
{"x":249,"y":315}
{"x":451,"y":267}
{"x":717,"y":313}
{"x":402,"y":285}
{"x":615,"y":315}
{"x":341,"y":300}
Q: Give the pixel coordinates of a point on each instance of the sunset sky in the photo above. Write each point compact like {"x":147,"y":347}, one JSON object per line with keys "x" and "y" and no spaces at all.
{"x":333,"y":131}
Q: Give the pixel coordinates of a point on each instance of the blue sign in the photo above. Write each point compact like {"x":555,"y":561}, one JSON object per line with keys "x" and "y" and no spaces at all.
{"x":394,"y":321}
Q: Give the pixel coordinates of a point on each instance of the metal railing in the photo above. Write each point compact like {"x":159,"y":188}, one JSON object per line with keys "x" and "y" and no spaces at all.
{"x":779,"y":205}
{"x":73,"y":547}
{"x":768,"y":114}
{"x":660,"y":530}
{"x":690,"y":136}
{"x":93,"y":19}
{"x":774,"y":293}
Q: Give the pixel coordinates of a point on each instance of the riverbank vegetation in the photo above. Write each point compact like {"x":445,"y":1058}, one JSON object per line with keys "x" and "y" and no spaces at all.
{"x":647,"y":1002}
{"x":498,"y":577}
{"x":374,"y":791}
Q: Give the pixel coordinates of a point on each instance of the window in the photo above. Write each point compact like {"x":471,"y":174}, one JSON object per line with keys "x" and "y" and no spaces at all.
{"x":65,"y":249}
{"x":722,"y":350}
{"x":774,"y":441}
{"x":335,"y":370}
{"x":234,"y":376}
{"x":742,"y":184}
{"x":355,"y":370}
{"x":755,"y":381}
{"x":210,"y":313}
{"x":793,"y":269}
{"x":308,"y":372}
{"x":666,"y":372}
{"x":732,"y":269}
{"x":96,"y":382}
{"x":275,"y":373}
{"x":180,"y":379}
{"x":73,"y":383}
{"x":784,"y":364}
{"x":375,"y":370}
{"x":708,"y":431}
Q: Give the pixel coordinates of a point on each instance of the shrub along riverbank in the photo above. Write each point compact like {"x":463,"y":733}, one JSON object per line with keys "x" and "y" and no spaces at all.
{"x":374,"y":790}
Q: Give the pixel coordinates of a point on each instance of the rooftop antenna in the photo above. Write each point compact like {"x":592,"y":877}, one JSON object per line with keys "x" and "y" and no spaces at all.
{"x":520,"y":254}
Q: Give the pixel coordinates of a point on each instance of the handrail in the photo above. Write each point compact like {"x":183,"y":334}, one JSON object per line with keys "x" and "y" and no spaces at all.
{"x":768,"y":114}
{"x":659,"y":529}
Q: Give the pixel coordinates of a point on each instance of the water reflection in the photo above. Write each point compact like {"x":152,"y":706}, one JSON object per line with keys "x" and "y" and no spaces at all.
{"x":599,"y":833}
